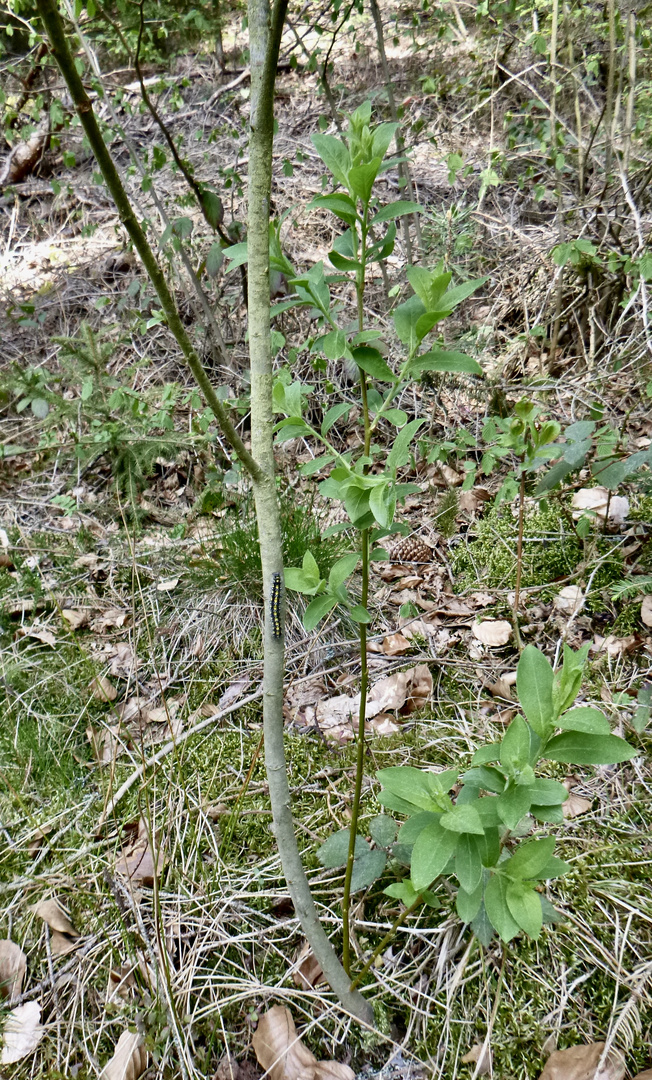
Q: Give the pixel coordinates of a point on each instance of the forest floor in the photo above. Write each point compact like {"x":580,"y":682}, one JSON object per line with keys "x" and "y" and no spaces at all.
{"x":132,"y":784}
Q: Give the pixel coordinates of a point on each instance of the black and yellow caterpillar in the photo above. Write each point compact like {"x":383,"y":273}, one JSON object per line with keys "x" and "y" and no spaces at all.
{"x":275,"y":607}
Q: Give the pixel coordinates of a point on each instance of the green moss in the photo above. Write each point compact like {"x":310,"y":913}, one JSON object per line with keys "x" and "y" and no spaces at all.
{"x":551,"y":549}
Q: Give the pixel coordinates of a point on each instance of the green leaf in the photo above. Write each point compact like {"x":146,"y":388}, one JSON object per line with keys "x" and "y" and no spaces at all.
{"x":548,"y":792}
{"x":576,"y":748}
{"x":438,"y":360}
{"x":40,"y":408}
{"x":489,"y":846}
{"x":335,"y":156}
{"x":316,"y":610}
{"x":485,"y":754}
{"x":591,"y":721}
{"x":396,"y":210}
{"x":334,"y":852}
{"x":382,"y":137}
{"x":553,"y":814}
{"x":361,"y":178}
{"x":383,"y":830}
{"x":360,"y":614}
{"x":529,"y":859}
{"x":402,"y":890}
{"x":416,"y":786}
{"x":342,"y":570}
{"x":430,"y":854}
{"x":214,"y":259}
{"x":525,"y":908}
{"x":333,"y":345}
{"x":382,"y":503}
{"x":343,"y":408}
{"x":367,"y":868}
{"x":406,"y":317}
{"x":468,"y":865}
{"x":553,"y":868}
{"x":515,"y":747}
{"x":453,"y":297}
{"x":297,"y":581}
{"x":411,"y":829}
{"x":213,"y":209}
{"x":237,"y":256}
{"x":371,"y":361}
{"x":316,"y":465}
{"x":498,"y":912}
{"x":463,"y":819}
{"x":426,"y":322}
{"x":513,"y":805}
{"x":468,"y":903}
{"x":399,"y":455}
{"x":339,"y":204}
{"x":482,"y":928}
{"x":310,"y":568}
{"x":534,"y":680}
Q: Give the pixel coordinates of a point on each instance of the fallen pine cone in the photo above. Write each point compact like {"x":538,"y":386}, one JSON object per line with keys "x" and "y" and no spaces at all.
{"x":411,"y":549}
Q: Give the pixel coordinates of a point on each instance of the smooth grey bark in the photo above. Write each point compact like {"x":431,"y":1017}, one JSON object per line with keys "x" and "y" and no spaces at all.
{"x":264,"y":42}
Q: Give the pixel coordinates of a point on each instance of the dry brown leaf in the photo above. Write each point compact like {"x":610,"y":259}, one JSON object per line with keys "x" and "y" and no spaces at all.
{"x":492,"y":632}
{"x":137,"y":859}
{"x":46,"y":637}
{"x":596,"y":500}
{"x":614,"y":646}
{"x":121,"y":983}
{"x":471,"y":501}
{"x":384,"y":724}
{"x":387,"y":695}
{"x":112,"y":618}
{"x":168,"y":584}
{"x":575,"y":805}
{"x":647,"y":1075}
{"x":105,"y":744}
{"x":646,"y":610}
{"x":75,"y":617}
{"x":308,"y":972}
{"x":22,"y":1032}
{"x":13,"y":967}
{"x":52,"y":912}
{"x":129,"y":1060}
{"x":581,"y":1062}
{"x":103,"y":689}
{"x":122,"y":660}
{"x":62,"y":944}
{"x":479,"y":1055}
{"x":569,"y":600}
{"x":395,"y":644}
{"x":37,"y":838}
{"x":282,"y":1054}
{"x":419,"y":688}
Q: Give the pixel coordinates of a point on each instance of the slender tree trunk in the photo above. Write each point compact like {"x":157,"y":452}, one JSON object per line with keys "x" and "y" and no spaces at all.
{"x":261,"y":472}
{"x":264,"y":42}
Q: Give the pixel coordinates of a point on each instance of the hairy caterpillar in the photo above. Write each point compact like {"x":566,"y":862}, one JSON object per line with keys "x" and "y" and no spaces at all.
{"x":275,"y":607}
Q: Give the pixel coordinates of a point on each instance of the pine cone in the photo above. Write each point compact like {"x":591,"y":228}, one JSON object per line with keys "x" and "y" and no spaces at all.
{"x":411,"y":549}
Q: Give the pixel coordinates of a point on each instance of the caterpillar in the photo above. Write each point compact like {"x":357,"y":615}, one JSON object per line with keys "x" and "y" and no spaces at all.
{"x":275,"y":607}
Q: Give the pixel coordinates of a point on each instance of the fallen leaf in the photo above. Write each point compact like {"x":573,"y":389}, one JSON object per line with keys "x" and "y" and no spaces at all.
{"x":581,"y":1063}
{"x":129,"y":1060}
{"x":168,"y":584}
{"x":384,"y":724}
{"x":646,"y":610}
{"x":105,"y":744}
{"x":122,"y":983}
{"x":52,"y":913}
{"x":103,"y":689}
{"x":22,"y":1032}
{"x":282,"y":1054}
{"x":614,"y":646}
{"x":395,"y":644}
{"x":122,"y":661}
{"x":75,"y":617}
{"x":228,"y":1069}
{"x":46,"y":637}
{"x":62,"y":944}
{"x":13,"y":967}
{"x":479,"y":1055}
{"x":597,"y":500}
{"x":308,"y":972}
{"x":647,"y":1075}
{"x":492,"y":632}
{"x":569,"y":600}
{"x":137,"y":859}
{"x":575,"y":804}
{"x":387,"y":695}
{"x":419,"y":688}
{"x":37,"y":838}
{"x":112,"y":618}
